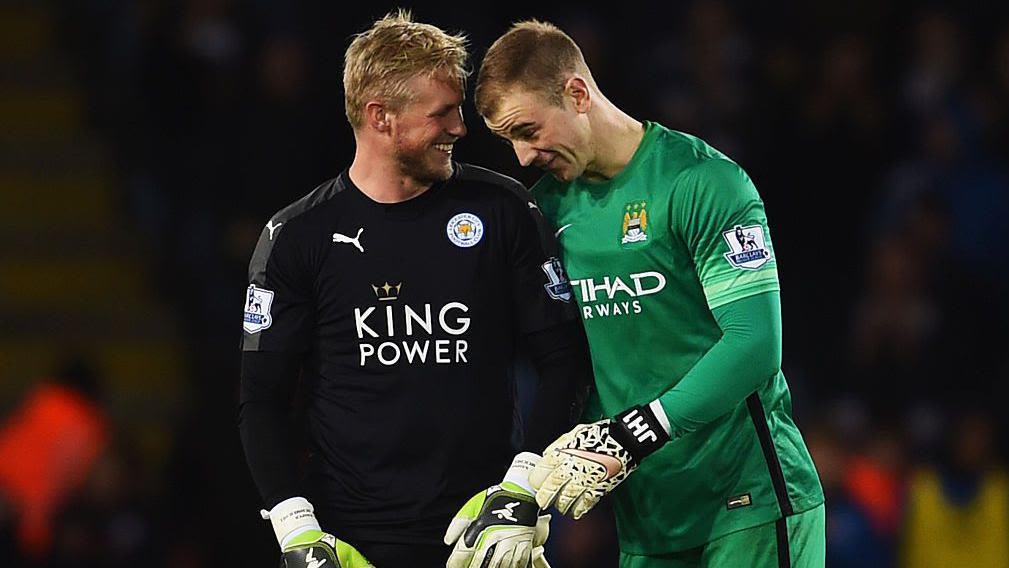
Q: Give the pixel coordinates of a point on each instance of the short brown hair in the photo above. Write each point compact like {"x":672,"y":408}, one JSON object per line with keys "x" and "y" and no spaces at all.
{"x":381,"y":60}
{"x":532,"y":55}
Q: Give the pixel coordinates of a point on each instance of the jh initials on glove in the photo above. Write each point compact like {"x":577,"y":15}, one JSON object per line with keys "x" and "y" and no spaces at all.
{"x":591,"y":460}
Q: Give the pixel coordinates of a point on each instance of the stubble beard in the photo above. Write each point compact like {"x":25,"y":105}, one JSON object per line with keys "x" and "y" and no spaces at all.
{"x":417,"y":163}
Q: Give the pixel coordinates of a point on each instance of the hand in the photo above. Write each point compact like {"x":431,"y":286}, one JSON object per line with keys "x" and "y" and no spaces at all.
{"x":591,"y":460}
{"x":501,"y":526}
{"x":303,"y":544}
{"x":316,"y":549}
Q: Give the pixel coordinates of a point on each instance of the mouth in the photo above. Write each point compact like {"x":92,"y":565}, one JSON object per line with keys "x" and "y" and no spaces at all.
{"x":549,"y":164}
{"x":446,"y":148}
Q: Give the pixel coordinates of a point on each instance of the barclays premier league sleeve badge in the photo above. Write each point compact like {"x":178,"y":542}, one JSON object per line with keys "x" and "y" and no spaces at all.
{"x":559,"y":288}
{"x":257,"y":309}
{"x":748,"y":250}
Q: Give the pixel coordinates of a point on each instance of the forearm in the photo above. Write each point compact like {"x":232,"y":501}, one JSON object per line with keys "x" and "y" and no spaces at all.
{"x":560,"y":356}
{"x":264,"y":424}
{"x":747,"y":355}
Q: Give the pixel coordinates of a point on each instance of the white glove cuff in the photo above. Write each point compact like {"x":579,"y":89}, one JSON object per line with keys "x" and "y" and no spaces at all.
{"x":518,"y":473}
{"x":290,"y":518}
{"x":660,"y":414}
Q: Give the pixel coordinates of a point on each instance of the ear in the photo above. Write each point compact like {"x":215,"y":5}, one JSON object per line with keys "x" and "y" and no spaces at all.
{"x":376,"y":116}
{"x":576,"y":90}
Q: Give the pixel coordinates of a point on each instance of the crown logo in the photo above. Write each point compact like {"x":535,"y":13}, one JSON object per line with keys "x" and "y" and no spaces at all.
{"x":387,"y":292}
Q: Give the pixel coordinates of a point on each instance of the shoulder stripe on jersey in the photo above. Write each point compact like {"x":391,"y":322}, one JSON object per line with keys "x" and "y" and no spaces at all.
{"x":476,"y":173}
{"x":759,"y":418}
{"x":264,"y":247}
{"x":321,"y":194}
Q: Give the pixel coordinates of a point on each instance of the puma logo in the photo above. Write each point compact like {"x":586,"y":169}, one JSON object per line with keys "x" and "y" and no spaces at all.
{"x":356,"y":241}
{"x":271,"y":227}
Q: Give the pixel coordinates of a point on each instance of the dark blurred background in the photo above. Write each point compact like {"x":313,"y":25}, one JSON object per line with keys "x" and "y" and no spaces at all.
{"x":145,"y":143}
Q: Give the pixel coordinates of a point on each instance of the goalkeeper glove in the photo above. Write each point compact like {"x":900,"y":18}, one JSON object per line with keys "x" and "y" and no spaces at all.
{"x":588,"y":462}
{"x":502,"y":525}
{"x":302,"y":542}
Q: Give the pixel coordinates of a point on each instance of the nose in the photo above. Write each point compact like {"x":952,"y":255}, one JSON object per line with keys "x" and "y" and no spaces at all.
{"x":524,"y":152}
{"x":457,"y":126}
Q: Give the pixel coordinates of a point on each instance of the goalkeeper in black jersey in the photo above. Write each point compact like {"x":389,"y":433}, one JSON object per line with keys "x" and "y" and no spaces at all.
{"x":394,"y":296}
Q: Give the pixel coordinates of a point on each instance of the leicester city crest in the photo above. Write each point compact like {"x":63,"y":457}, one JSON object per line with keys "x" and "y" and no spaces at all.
{"x":747,"y":247}
{"x":464,"y":230}
{"x":558,"y":286}
{"x":257,"y":309}
{"x":635,"y":227}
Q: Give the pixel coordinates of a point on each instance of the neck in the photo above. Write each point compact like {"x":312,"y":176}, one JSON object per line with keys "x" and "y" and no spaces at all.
{"x":616,"y":136}
{"x":378,"y":175}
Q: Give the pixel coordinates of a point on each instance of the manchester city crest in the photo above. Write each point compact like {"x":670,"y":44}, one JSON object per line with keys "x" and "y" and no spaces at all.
{"x":464,"y":230}
{"x":635,"y":227}
{"x":747,"y":247}
{"x":257,"y":309}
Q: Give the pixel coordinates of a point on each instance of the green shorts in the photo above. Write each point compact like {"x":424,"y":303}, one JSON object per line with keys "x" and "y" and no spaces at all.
{"x":798,"y":541}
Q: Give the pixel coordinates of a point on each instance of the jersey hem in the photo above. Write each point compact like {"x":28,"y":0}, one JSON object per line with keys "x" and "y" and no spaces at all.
{"x":768,"y":514}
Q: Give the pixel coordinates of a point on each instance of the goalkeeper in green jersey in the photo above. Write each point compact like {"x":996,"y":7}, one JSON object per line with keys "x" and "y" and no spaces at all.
{"x":668,"y":251}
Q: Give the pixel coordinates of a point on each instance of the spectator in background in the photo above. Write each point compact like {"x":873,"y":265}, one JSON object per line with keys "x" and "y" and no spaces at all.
{"x":106,"y":522}
{"x":958,"y":511}
{"x":854,"y":540}
{"x":701,"y":76}
{"x":896,"y":327}
{"x":48,"y":447}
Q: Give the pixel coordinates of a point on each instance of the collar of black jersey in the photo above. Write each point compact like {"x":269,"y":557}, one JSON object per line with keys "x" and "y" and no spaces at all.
{"x":409,"y":209}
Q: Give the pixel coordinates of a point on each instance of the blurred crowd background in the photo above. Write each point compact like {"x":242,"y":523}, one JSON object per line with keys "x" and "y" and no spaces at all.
{"x":145,"y":143}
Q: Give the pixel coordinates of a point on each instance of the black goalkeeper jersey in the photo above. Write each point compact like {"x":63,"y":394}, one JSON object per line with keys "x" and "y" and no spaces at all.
{"x":406,"y":317}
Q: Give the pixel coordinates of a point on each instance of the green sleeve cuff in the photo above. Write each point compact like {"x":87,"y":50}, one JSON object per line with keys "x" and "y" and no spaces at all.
{"x":739,"y":286}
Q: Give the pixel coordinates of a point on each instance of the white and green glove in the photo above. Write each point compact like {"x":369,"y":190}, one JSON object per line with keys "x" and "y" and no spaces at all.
{"x":588,"y":462}
{"x":302,"y":542}
{"x":501,"y":527}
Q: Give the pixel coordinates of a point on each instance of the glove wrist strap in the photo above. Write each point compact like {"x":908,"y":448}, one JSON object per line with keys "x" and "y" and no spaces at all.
{"x":291,"y":518}
{"x":639,"y":431}
{"x":518,"y":473}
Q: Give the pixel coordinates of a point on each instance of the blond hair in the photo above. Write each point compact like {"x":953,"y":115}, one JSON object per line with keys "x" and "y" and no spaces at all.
{"x":381,"y":60}
{"x":534,"y":56}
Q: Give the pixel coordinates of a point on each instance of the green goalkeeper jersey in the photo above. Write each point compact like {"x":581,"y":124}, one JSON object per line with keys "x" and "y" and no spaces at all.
{"x":650,"y":253}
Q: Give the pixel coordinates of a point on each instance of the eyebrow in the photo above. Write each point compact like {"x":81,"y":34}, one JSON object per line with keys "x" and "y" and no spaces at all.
{"x":443,"y":109}
{"x":515,"y":129}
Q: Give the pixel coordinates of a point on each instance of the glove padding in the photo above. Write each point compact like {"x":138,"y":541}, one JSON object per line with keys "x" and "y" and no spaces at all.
{"x":499,"y":528}
{"x":591,"y":460}
{"x":316,"y":549}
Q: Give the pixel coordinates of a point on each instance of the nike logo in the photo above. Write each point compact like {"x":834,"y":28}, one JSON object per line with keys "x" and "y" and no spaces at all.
{"x":271,"y":227}
{"x":613,"y":465}
{"x":356,"y":241}
{"x":562,"y":229}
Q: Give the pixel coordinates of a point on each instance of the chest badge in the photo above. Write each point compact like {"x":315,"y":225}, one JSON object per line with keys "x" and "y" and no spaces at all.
{"x":635,"y":227}
{"x":464,"y":230}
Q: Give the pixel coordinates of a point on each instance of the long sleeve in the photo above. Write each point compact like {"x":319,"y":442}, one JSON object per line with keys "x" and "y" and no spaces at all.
{"x":747,"y":355}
